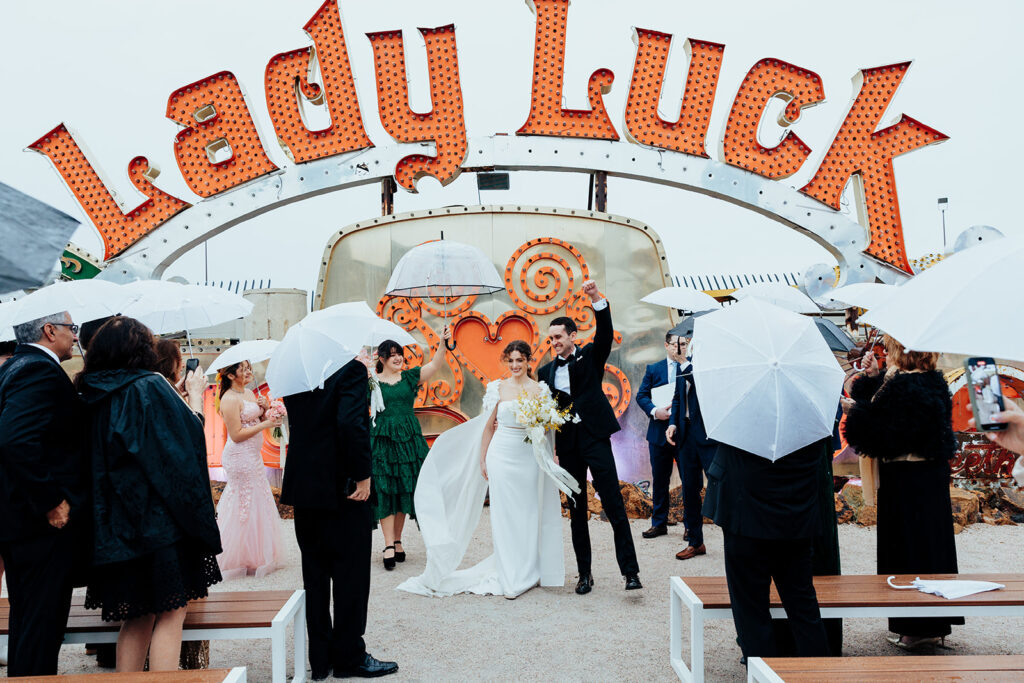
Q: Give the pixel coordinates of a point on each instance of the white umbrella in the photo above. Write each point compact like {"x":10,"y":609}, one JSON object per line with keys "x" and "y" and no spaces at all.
{"x":85,"y":300}
{"x":766,"y":379}
{"x":953,"y":306}
{"x":858,"y":295}
{"x":167,"y":307}
{"x":779,"y":294}
{"x":253,"y":351}
{"x":323,"y":342}
{"x":683,"y":298}
{"x":444,"y":269}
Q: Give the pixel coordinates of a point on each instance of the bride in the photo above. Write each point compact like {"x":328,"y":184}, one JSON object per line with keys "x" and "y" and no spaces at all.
{"x":526,"y":519}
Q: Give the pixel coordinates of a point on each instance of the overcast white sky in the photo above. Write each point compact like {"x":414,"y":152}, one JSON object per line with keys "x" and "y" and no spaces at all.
{"x":106,"y":67}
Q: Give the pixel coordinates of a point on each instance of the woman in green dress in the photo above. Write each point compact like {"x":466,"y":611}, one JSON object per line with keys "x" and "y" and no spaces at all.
{"x":397,"y":442}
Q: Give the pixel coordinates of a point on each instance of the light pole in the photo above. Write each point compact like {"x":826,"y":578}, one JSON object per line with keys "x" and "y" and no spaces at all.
{"x":943,"y":204}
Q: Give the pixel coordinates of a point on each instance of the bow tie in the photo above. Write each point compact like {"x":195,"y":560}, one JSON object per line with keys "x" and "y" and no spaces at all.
{"x":561,"y":362}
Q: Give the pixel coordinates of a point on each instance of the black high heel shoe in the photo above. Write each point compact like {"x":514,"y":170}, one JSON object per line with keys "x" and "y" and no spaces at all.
{"x":389,"y":562}
{"x":399,"y":554}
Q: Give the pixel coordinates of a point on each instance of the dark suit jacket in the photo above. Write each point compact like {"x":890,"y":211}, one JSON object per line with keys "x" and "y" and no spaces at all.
{"x":41,"y":432}
{"x":751,"y":496}
{"x":329,"y":440}
{"x":696,"y":422}
{"x":655,"y":376}
{"x":586,"y":374}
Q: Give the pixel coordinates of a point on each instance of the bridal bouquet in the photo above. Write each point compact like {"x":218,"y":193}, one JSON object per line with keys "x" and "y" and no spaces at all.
{"x":541,"y":414}
{"x":275,"y":410}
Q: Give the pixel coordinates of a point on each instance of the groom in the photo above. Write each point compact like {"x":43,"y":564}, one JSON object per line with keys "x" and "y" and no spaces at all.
{"x":575,"y":377}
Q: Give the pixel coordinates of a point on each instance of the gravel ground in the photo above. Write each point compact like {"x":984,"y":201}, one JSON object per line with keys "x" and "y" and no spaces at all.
{"x":609,"y":635}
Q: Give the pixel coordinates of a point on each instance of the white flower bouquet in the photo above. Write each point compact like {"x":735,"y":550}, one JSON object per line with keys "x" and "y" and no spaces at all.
{"x":540,"y":414}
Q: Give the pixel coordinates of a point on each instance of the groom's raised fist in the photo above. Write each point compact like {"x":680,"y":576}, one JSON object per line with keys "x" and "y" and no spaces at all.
{"x":590,"y":289}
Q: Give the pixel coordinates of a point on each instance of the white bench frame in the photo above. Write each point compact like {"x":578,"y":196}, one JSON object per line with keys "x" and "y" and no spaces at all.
{"x":680,"y":595}
{"x":293,"y":612}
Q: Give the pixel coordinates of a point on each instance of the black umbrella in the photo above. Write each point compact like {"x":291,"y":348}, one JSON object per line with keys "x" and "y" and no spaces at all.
{"x":32,"y":237}
{"x":685,"y":328}
{"x":834,"y":335}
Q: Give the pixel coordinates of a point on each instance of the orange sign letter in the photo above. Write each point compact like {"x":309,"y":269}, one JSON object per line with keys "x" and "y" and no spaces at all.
{"x":445,"y":125}
{"x":643,"y":124}
{"x":767,"y":79}
{"x":288,"y":79}
{"x":119,"y":230}
{"x":858,"y":149}
{"x":219,"y":148}
{"x":546,"y":114}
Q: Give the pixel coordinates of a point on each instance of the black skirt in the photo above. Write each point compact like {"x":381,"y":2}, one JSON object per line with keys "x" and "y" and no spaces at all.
{"x":915,"y":532}
{"x":164,"y":580}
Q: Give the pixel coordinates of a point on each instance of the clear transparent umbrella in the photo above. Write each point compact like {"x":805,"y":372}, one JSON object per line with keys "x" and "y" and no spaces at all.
{"x":444,"y":269}
{"x":766,"y":379}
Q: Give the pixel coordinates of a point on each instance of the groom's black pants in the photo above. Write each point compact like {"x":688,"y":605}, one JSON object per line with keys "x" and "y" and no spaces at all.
{"x":578,"y":450}
{"x":335,"y":547}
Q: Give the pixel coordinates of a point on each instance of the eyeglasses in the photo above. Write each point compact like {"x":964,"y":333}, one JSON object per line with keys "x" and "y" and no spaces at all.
{"x":71,"y":326}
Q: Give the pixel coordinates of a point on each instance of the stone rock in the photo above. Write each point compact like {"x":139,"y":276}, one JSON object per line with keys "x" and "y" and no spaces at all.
{"x":638,"y":504}
{"x":844,"y":513}
{"x":867,"y":515}
{"x":853,"y":494}
{"x":997,"y":518}
{"x":957,"y":528}
{"x":594,"y":506}
{"x":1010,"y":499}
{"x":675,"y":505}
{"x":966,"y":503}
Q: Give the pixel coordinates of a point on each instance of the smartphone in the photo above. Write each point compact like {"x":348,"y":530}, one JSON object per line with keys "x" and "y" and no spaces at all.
{"x":986,"y":393}
{"x":191,"y":365}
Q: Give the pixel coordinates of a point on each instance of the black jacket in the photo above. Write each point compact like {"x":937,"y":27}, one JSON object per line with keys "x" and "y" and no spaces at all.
{"x":695,"y":423}
{"x":329,"y":440}
{"x":751,"y":496}
{"x":911,"y":414}
{"x":150,"y":482}
{"x":41,"y":430}
{"x":586,"y":376}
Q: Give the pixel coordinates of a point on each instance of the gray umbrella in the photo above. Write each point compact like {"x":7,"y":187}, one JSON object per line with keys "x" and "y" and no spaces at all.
{"x":834,"y":335}
{"x":32,"y":237}
{"x":685,"y":328}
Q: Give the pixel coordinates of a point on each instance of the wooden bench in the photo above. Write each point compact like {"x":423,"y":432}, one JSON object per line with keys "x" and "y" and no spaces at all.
{"x":963,"y":668}
{"x":707,"y":597}
{"x":236,"y":675}
{"x":227,"y":615}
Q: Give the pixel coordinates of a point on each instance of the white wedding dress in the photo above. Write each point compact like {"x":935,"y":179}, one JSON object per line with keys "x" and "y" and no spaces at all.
{"x":526,"y":516}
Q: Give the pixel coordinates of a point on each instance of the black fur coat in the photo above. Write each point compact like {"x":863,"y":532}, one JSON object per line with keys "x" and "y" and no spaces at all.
{"x":912,"y":413}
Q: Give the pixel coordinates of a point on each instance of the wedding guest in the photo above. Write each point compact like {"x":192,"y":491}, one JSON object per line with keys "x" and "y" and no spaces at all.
{"x":156,"y":536}
{"x":397,"y":442}
{"x":191,"y":385}
{"x":770,"y":514}
{"x":903,"y":421}
{"x":696,"y":451}
{"x":7,"y":350}
{"x":250,"y":525}
{"x":43,"y":492}
{"x":327,"y":480}
{"x":663,"y":454}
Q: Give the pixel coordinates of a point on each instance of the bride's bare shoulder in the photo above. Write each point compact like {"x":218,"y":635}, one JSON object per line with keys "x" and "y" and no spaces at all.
{"x":536,"y":388}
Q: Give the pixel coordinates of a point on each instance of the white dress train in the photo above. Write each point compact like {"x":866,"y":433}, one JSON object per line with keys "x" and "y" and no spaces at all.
{"x":526,"y":516}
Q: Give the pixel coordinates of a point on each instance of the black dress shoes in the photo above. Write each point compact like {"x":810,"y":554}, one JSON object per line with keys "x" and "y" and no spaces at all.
{"x":320,"y":675}
{"x":655,"y":531}
{"x":633,"y":582}
{"x":370,"y":668}
{"x":585,"y":583}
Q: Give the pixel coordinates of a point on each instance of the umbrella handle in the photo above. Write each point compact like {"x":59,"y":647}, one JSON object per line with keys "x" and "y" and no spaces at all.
{"x":450,"y":345}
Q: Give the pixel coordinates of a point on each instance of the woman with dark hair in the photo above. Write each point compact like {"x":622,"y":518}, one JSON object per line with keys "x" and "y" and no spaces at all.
{"x":191,"y":385}
{"x":902,"y":420}
{"x":250,"y":526}
{"x":397,"y":443}
{"x":156,"y":536}
{"x":523,"y":479}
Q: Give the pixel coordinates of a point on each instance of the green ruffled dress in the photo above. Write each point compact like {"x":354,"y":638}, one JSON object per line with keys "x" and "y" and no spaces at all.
{"x":398,"y":447}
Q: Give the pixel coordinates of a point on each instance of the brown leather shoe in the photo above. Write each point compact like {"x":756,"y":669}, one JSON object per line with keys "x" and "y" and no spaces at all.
{"x":691,"y":551}
{"x":655,"y":531}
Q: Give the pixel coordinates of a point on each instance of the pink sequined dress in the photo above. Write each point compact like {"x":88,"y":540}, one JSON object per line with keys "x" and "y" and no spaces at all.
{"x":250,"y":526}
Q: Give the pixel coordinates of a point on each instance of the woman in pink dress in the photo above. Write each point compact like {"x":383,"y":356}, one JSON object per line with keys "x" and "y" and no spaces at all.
{"x":250,"y":526}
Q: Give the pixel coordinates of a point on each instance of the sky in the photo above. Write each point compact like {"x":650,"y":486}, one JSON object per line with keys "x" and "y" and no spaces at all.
{"x":106,"y":68}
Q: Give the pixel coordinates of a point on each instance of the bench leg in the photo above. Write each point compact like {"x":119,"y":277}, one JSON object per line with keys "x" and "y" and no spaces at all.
{"x":299,"y":634}
{"x":680,"y":595}
{"x":278,"y":653}
{"x":697,"y":643}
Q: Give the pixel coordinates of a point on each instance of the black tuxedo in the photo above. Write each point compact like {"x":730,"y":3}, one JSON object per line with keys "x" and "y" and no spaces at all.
{"x":330,"y":446}
{"x":41,"y":464}
{"x":696,"y":451}
{"x":586,"y":445}
{"x":770,"y":516}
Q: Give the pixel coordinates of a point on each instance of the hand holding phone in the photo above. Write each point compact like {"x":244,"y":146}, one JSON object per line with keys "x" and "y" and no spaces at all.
{"x":190,"y":365}
{"x":986,"y":393}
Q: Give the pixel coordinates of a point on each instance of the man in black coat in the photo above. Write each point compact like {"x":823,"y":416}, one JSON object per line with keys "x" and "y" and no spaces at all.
{"x":327,"y":480}
{"x":769,"y":516}
{"x":696,"y":451}
{"x":43,"y":491}
{"x":575,"y":377}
